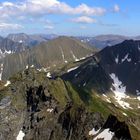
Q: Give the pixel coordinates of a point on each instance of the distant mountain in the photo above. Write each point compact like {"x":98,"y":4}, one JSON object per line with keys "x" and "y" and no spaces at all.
{"x":47,"y":36}
{"x":124,"y":61}
{"x":8,"y":46}
{"x":113,"y":74}
{"x":53,"y":53}
{"x":121,"y":61}
{"x":15,"y":43}
{"x":30,"y":40}
{"x":102,"y":41}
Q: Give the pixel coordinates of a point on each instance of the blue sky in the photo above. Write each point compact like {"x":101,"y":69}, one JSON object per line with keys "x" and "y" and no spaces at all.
{"x":70,"y":17}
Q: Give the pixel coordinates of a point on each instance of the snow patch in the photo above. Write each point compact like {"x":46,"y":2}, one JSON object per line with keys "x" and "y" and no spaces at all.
{"x":108,"y":100}
{"x":76,"y":75}
{"x":126,"y":58}
{"x":119,"y":91}
{"x":27,"y":66}
{"x":104,"y":95}
{"x":63,"y":56}
{"x":20,"y":41}
{"x":117,"y":59}
{"x":6,"y":52}
{"x":138,"y":92}
{"x":1,"y":71}
{"x":43,"y":69}
{"x":7,"y":83}
{"x":20,"y":135}
{"x":84,"y":84}
{"x":106,"y":135}
{"x":50,"y":110}
{"x":129,"y":59}
{"x":124,"y":114}
{"x":49,"y":75}
{"x":93,"y":132}
{"x":74,"y":57}
{"x":138,"y":98}
{"x":72,"y":69}
{"x":81,"y":59}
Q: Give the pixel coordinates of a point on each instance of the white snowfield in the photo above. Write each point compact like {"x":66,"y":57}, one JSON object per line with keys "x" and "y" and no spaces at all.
{"x":119,"y":91}
{"x":105,"y":135}
{"x":7,"y":83}
{"x":20,"y":135}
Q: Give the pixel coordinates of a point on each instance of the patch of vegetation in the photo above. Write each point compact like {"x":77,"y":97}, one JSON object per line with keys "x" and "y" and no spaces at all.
{"x":73,"y":94}
{"x":58,"y":90}
{"x":88,"y":99}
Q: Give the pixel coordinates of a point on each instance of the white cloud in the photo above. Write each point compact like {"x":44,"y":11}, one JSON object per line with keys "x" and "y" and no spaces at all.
{"x":8,"y":26}
{"x":34,"y":10}
{"x":49,"y":27}
{"x":86,"y":10}
{"x":84,"y":19}
{"x":7,"y":4}
{"x":116,"y":8}
{"x":42,"y":7}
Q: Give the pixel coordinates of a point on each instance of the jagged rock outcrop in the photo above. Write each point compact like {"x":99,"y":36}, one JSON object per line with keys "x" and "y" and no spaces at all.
{"x":46,"y":109}
{"x":120,"y":129}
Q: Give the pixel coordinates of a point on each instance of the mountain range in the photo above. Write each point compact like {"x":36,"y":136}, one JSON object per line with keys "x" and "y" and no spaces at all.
{"x":15,"y":43}
{"x":54,"y":53}
{"x":64,"y":89}
{"x":102,"y":41}
{"x":30,"y":40}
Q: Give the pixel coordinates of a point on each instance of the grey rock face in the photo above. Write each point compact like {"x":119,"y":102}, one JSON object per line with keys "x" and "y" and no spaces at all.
{"x":5,"y":102}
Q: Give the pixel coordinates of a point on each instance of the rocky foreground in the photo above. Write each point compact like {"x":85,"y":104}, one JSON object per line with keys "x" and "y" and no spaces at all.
{"x":34,"y":107}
